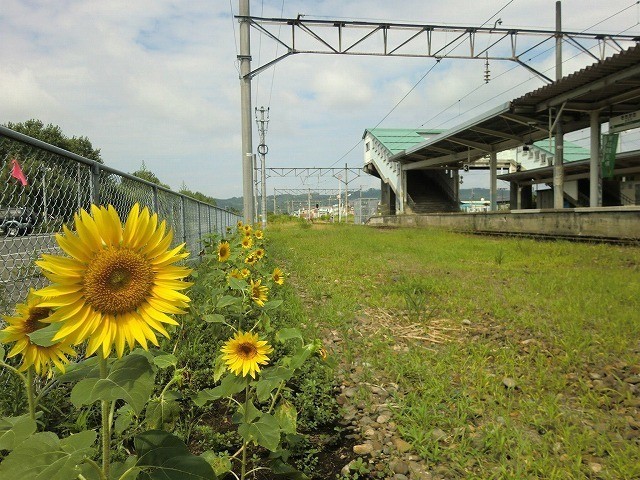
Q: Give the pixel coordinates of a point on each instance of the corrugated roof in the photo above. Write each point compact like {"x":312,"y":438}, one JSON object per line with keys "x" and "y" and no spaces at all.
{"x":572,"y":151}
{"x":398,"y":139}
{"x":611,"y":87}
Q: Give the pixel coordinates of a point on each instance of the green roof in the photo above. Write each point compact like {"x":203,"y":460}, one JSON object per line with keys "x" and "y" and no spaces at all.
{"x":398,"y":139}
{"x":572,"y":151}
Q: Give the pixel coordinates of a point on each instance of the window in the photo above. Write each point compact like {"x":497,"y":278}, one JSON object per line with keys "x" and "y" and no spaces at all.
{"x":367,"y":146}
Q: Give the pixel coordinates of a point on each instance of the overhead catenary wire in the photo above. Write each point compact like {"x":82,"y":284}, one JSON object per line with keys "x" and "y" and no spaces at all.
{"x":416,"y":84}
{"x":235,"y":39}
{"x":476,"y":89}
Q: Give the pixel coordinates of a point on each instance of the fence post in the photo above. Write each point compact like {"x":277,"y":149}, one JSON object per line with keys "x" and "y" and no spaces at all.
{"x":199,"y":223}
{"x":156,"y":205}
{"x":209,"y":218}
{"x":95,"y":183}
{"x":184,"y":220}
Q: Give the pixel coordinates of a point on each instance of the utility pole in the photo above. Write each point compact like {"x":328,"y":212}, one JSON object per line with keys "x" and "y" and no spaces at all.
{"x":558,"y":168}
{"x":309,"y":205}
{"x":339,"y":198}
{"x":263,"y":124}
{"x":245,"y":106}
{"x":346,"y":194}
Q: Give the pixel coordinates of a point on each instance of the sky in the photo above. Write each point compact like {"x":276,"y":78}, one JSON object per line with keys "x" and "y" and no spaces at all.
{"x":157,"y":81}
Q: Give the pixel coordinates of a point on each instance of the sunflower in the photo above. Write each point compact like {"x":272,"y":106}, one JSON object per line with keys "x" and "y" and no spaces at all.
{"x":251,"y":259}
{"x":235,"y":273}
{"x":239,"y":225}
{"x":247,"y":242}
{"x":224,"y":251}
{"x":120,"y":282}
{"x":30,"y":318}
{"x":247,"y":230}
{"x":244,"y":353}
{"x":245,"y":272}
{"x":277,"y":276}
{"x":258,"y":234}
{"x":258,"y":292}
{"x":259,"y":253}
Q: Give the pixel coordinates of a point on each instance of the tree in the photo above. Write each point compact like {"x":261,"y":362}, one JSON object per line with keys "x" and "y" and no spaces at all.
{"x":57,"y":186}
{"x":144,"y":173}
{"x":197,"y":195}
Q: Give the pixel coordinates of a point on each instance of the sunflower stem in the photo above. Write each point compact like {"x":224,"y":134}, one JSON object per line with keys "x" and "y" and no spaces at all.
{"x":28,"y":383}
{"x":106,"y":423}
{"x":243,"y":468}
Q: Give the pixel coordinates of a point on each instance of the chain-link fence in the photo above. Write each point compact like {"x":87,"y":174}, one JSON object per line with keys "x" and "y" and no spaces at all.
{"x":364,"y":208}
{"x":41,"y":188}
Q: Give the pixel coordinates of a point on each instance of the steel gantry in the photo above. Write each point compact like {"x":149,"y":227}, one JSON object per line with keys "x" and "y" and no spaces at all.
{"x":308,"y":35}
{"x":390,"y":39}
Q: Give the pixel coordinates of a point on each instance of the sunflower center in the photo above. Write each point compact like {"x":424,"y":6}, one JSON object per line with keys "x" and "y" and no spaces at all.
{"x":118,"y":280}
{"x":33,"y":323}
{"x":247,"y":350}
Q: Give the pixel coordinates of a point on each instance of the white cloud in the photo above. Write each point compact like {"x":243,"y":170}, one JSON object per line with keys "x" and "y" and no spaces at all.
{"x":157,"y":80}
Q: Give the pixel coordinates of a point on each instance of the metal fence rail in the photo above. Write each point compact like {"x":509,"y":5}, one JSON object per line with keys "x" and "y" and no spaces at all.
{"x":58,"y":184}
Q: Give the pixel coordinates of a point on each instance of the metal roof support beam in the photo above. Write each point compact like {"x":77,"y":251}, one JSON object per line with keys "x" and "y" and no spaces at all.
{"x":590,"y":87}
{"x":468,"y":143}
{"x":436,"y":162}
{"x":496,"y":133}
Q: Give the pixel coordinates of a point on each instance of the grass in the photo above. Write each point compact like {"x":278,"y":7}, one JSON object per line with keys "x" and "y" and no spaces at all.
{"x":458,"y":320}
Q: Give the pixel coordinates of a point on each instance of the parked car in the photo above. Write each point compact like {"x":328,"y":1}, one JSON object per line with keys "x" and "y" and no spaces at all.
{"x":16,"y":221}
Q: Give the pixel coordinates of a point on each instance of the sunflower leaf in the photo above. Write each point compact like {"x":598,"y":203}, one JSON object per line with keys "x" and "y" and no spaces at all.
{"x":44,"y":336}
{"x":230,"y":385}
{"x":163,"y":456}
{"x":14,"y":430}
{"x":284,"y":470}
{"x":264,"y":432}
{"x":44,"y":455}
{"x":272,"y":305}
{"x":287,"y":417}
{"x":300,"y":356}
{"x":130,"y":378}
{"x":165,"y":361}
{"x":270,"y":379}
{"x":227,"y":300}
{"x":214,"y":318}
{"x":161,"y":412}
{"x":285,"y":334}
{"x":237,"y":284}
{"x":88,"y":368}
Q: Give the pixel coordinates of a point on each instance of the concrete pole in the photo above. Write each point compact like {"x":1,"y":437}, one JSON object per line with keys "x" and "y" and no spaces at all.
{"x":493,"y":188}
{"x":309,"y":205}
{"x":262,"y":151}
{"x":346,"y":194}
{"x":245,"y":110}
{"x":256,"y":194}
{"x":558,"y":168}
{"x":595,"y":169}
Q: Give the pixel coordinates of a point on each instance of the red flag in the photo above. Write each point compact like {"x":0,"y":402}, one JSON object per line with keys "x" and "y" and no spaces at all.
{"x":17,"y":173}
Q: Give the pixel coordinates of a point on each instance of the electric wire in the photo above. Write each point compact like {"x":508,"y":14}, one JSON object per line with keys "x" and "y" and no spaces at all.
{"x":256,"y":96}
{"x":235,"y":39}
{"x":471,"y":92}
{"x":273,"y":72}
{"x":418,"y":83}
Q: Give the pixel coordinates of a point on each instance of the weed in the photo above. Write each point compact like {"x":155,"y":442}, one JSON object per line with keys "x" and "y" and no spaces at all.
{"x":552,"y":313}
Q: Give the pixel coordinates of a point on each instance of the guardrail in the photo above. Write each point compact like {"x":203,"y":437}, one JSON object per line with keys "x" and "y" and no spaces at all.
{"x":58,"y":184}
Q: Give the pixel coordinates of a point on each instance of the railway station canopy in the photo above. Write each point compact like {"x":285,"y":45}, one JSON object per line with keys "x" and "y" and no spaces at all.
{"x":610,"y":87}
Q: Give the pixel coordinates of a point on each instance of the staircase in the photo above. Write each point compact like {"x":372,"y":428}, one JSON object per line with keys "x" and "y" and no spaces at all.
{"x":428,"y":193}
